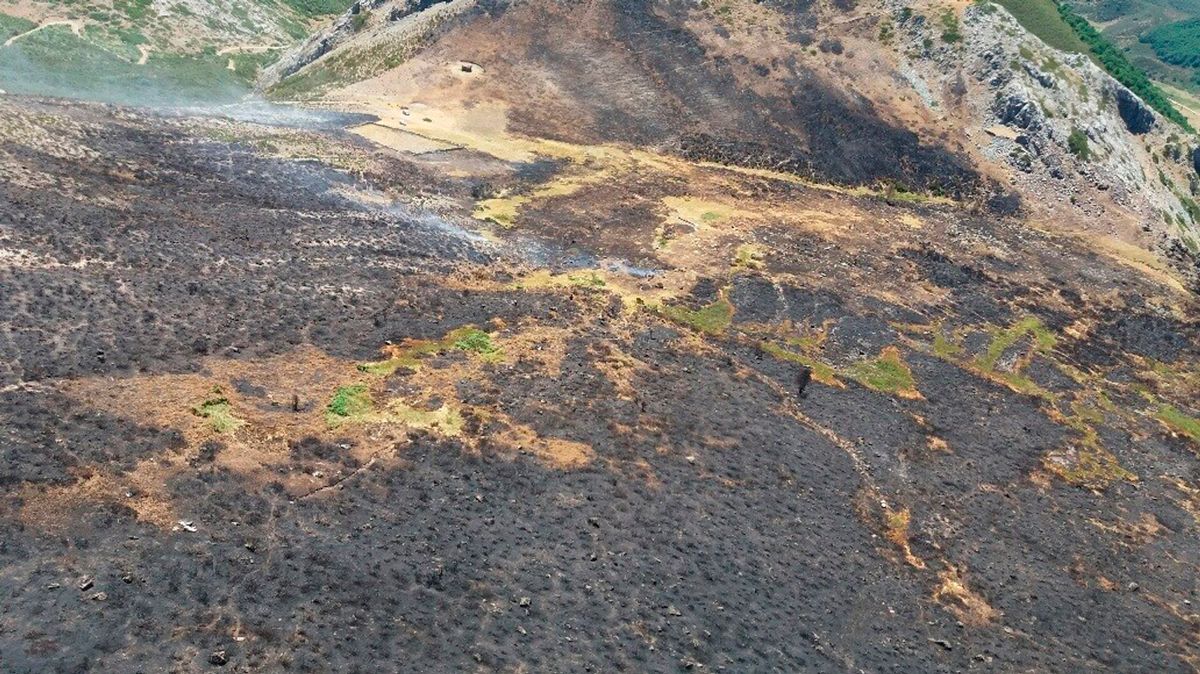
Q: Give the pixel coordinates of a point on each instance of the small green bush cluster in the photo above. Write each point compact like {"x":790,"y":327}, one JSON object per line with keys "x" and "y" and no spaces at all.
{"x":950,"y":27}
{"x":476,"y":341}
{"x":318,"y":7}
{"x":1077,"y":143}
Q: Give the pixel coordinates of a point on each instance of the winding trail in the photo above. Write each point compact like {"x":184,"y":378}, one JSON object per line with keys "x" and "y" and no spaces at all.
{"x":75,"y":24}
{"x":247,"y":49}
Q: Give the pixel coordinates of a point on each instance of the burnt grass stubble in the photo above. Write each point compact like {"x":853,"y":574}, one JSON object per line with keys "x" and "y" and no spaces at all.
{"x":748,"y":557}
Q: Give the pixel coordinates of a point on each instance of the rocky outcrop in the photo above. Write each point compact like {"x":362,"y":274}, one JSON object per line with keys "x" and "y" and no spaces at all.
{"x":1019,"y":112}
{"x":1138,"y":117}
{"x":1068,"y":130}
{"x":342,"y":30}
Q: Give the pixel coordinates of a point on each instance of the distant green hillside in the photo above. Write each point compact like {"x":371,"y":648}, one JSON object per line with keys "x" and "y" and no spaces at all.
{"x":1177,"y":43}
{"x":1127,"y":22}
{"x":1041,"y":17}
{"x":143,"y":51}
{"x":55,"y":62}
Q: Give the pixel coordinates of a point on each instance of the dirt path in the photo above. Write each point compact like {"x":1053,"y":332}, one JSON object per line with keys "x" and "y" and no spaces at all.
{"x":246,"y":49}
{"x":75,"y":24}
{"x":144,"y":51}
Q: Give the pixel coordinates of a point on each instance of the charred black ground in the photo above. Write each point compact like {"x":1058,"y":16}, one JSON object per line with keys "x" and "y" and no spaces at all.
{"x":992,"y":471}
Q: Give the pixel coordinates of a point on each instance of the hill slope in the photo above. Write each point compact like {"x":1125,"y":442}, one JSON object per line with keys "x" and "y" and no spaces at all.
{"x":285,"y":400}
{"x":621,"y":336}
{"x":913,"y":98}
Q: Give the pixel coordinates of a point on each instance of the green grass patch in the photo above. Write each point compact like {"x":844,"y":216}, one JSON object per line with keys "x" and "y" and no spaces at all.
{"x":247,"y":66}
{"x":1022,"y":384}
{"x":131,"y":37}
{"x":353,"y":404}
{"x":134,"y":9}
{"x":1041,"y":18}
{"x":1088,"y":464}
{"x":1043,"y":340}
{"x":712,"y":319}
{"x":102,"y":66}
{"x":344,"y":67}
{"x":821,"y":372}
{"x":945,"y":347}
{"x":348,"y":402}
{"x":1180,"y":422}
{"x":589,"y":281}
{"x":445,"y":419}
{"x":315,"y":8}
{"x":219,"y":413}
{"x":411,"y":353}
{"x":888,"y":374}
{"x":748,"y":256}
{"x":475,"y":341}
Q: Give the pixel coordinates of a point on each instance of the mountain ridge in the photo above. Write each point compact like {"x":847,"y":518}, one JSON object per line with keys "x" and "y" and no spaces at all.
{"x":993,"y":77}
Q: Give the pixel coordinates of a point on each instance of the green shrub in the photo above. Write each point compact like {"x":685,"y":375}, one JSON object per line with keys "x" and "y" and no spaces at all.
{"x":886,"y":32}
{"x":349,"y":401}
{"x":1077,"y":143}
{"x":950,"y":27}
{"x":476,"y":341}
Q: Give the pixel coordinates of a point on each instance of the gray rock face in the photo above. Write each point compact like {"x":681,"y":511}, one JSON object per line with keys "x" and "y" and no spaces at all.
{"x":1137,"y":116}
{"x":1043,"y":78}
{"x":1018,"y":111}
{"x":340,"y":31}
{"x":1029,"y":99}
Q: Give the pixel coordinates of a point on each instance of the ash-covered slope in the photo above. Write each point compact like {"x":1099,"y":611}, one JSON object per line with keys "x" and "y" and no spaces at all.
{"x":645,"y":74}
{"x":624,"y":337}
{"x":278,"y":400}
